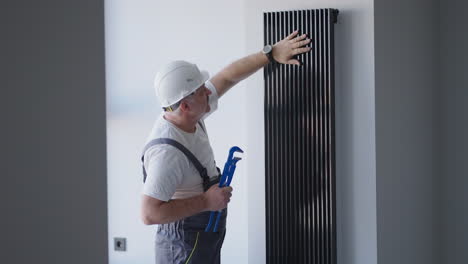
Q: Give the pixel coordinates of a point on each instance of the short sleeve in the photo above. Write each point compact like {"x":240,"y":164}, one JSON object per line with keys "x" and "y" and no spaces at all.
{"x":164,"y":166}
{"x":213,"y":99}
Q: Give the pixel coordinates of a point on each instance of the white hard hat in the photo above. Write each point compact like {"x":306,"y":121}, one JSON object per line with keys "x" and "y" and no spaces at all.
{"x":177,"y":80}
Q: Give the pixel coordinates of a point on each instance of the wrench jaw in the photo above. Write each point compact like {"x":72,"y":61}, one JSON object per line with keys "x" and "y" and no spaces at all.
{"x":232,"y":151}
{"x":235,"y":160}
{"x":231,"y":160}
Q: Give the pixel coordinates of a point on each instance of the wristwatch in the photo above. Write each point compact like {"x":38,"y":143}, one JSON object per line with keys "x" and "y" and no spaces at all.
{"x":268,"y":51}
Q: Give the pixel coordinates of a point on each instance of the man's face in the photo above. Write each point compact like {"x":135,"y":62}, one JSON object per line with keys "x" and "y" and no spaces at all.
{"x":200,"y":100}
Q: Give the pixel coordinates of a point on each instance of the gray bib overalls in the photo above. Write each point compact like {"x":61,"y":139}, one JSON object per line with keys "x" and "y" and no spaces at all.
{"x":185,"y":241}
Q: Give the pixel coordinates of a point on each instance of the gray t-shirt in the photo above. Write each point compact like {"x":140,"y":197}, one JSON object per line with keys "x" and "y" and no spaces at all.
{"x":170,"y":174}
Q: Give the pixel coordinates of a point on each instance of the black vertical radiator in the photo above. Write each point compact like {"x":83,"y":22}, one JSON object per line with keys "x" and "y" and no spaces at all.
{"x":300,"y":142}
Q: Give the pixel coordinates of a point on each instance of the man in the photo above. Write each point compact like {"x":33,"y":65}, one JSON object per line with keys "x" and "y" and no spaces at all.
{"x":179,"y":191}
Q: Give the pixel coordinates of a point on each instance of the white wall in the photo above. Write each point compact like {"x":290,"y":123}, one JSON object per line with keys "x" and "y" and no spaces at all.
{"x":406,"y":48}
{"x":356,"y":211}
{"x":141,"y":36}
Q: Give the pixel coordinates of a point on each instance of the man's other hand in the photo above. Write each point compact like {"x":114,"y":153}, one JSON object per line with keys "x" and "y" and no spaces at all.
{"x":217,"y":198}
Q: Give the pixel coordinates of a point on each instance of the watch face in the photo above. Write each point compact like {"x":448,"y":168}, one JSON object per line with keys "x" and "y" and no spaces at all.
{"x":267,"y":49}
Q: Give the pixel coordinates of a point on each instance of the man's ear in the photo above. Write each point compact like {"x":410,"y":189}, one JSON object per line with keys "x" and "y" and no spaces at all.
{"x":184,"y":106}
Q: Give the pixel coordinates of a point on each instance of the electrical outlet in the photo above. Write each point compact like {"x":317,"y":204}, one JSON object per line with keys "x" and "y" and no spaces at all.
{"x":120,"y":244}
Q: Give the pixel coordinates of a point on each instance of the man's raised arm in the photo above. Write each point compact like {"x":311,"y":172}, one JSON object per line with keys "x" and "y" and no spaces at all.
{"x":282,"y":52}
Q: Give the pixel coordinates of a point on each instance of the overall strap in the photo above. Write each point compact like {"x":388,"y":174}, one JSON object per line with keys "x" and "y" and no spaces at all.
{"x":188,"y":154}
{"x":202,"y":126}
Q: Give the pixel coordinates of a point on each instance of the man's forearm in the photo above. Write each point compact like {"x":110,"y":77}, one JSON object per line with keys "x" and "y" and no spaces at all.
{"x":238,"y":71}
{"x":174,"y":210}
{"x":283,"y":52}
{"x":155,"y":211}
{"x":244,"y":67}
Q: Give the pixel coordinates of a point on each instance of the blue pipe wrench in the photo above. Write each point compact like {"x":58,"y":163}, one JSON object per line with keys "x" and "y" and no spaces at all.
{"x":225,"y":181}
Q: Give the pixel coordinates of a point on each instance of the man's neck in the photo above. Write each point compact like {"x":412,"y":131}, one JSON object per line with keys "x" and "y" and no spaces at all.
{"x":186,"y":125}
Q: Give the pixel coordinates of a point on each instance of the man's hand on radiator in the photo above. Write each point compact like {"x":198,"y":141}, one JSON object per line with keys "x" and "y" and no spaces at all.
{"x":285,"y":50}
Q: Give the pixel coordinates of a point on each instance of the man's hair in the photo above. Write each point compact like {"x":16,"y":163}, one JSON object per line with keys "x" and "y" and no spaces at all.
{"x":172,"y":108}
{"x":175,"y":107}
